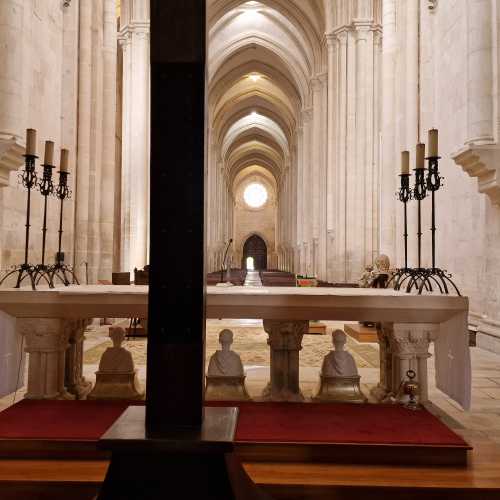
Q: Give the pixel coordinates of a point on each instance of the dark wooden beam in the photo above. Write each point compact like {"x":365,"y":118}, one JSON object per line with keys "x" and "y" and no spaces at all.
{"x":176,"y":322}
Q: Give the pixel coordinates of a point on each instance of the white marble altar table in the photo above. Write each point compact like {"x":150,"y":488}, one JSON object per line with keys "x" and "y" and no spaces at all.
{"x":53,"y":319}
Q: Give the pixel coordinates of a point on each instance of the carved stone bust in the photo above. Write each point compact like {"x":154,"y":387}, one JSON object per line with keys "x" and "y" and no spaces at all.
{"x":225,"y":362}
{"x":339,"y":363}
{"x":116,"y":359}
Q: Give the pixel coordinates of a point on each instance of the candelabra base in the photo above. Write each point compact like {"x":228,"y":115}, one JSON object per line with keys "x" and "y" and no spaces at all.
{"x":428,"y":279}
{"x":63,"y":272}
{"x":23,"y":271}
{"x":43,"y":272}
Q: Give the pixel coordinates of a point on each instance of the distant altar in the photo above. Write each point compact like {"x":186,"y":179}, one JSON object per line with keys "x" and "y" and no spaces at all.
{"x":53,"y":322}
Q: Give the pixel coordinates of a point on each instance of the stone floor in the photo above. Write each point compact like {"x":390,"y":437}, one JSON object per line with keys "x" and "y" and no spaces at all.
{"x":482,"y":422}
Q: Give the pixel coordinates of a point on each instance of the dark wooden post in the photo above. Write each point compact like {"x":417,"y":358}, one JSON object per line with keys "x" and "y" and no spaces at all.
{"x":176,"y":324}
{"x":176,"y":450}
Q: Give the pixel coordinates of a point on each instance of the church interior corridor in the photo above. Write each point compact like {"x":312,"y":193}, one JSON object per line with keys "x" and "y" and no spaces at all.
{"x":251,"y":242}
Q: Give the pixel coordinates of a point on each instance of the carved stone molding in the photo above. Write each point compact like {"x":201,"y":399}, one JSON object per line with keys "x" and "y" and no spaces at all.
{"x":432,"y":5}
{"x":285,"y":341}
{"x":11,"y":157}
{"x":403,"y":346}
{"x":75,"y":382}
{"x":482,"y":162}
{"x":46,"y":343}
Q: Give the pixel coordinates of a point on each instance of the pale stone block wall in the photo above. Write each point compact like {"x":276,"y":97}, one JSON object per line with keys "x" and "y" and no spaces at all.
{"x":34,"y":58}
{"x":455,"y":94}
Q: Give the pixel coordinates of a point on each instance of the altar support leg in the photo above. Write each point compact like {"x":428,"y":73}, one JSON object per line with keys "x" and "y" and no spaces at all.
{"x":46,"y":342}
{"x":384,"y":387}
{"x":74,"y":379}
{"x":410,"y":349}
{"x":285,"y":342}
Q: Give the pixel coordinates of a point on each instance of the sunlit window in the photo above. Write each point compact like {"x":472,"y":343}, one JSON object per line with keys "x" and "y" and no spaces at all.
{"x":255,"y":195}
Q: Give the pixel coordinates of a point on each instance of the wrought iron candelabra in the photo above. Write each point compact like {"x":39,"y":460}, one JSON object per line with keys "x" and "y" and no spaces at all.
{"x":420,"y":278}
{"x":28,"y":178}
{"x":417,"y":276}
{"x":439,"y":277}
{"x":60,"y":270}
{"x":46,"y":187}
{"x":404,"y":194}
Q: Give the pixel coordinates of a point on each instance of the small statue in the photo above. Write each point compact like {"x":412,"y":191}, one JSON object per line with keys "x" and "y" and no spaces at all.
{"x":339,"y":362}
{"x":367,"y":277}
{"x":339,"y":379}
{"x":116,"y":359}
{"x":382,"y":272}
{"x":116,"y":377}
{"x":225,"y":374}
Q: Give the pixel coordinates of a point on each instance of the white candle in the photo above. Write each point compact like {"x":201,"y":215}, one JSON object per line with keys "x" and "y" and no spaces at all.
{"x":31,"y":141}
{"x":48,"y":158}
{"x":405,"y":162}
{"x":64,"y":160}
{"x":420,"y":156}
{"x":433,"y":142}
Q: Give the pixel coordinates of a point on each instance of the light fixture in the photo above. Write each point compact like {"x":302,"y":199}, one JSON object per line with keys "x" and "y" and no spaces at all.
{"x":255,"y":77}
{"x":255,"y":195}
{"x":250,"y":10}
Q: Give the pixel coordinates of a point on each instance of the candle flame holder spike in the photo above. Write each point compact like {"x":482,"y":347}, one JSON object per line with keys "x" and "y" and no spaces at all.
{"x":28,"y":179}
{"x":63,"y":272}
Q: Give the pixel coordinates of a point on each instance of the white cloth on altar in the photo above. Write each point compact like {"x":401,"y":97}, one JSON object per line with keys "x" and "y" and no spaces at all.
{"x":453,"y":364}
{"x":12,"y":358}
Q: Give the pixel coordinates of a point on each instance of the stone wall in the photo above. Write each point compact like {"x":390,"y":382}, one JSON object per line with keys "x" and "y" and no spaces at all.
{"x":249,"y":221}
{"x":58,"y":76}
{"x":445,"y":77}
{"x":35,"y":92}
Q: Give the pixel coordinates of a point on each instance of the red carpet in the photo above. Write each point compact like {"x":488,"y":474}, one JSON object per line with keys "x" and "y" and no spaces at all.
{"x":258,"y":422}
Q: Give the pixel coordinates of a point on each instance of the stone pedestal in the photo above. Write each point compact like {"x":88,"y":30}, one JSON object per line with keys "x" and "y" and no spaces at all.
{"x":116,"y":386}
{"x":340,"y":389}
{"x":285,"y":342}
{"x":226,"y":389}
{"x":116,"y":378}
{"x":403,"y":346}
{"x":46,"y":342}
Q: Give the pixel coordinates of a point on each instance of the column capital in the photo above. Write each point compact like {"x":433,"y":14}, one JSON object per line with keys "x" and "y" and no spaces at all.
{"x":134,"y":27}
{"x":307,"y":114}
{"x":413,"y":339}
{"x":319,"y":80}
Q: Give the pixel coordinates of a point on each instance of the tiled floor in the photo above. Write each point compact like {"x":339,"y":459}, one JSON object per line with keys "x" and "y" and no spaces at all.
{"x":481,"y":423}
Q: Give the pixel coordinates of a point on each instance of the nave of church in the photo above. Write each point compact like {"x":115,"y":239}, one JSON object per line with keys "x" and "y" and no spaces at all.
{"x":255,"y":241}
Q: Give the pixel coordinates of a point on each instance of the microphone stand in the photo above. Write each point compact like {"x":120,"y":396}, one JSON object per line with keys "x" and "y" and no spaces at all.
{"x":224,"y":260}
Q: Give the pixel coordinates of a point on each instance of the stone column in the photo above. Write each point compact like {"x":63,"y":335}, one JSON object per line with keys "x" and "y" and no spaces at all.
{"x":11,"y":87}
{"x":46,"y":342}
{"x":285,"y":342}
{"x":480,"y":72}
{"x":74,"y":380}
{"x":81,"y":180}
{"x":384,"y":387}
{"x":134,"y":33}
{"x":108,"y":146}
{"x":389,"y":158}
{"x":332,"y":165}
{"x":299,"y":197}
{"x":409,"y":344}
{"x":315,"y":167}
{"x":341,"y":143}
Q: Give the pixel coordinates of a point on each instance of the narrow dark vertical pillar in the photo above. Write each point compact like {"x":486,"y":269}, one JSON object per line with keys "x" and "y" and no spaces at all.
{"x":176,"y":326}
